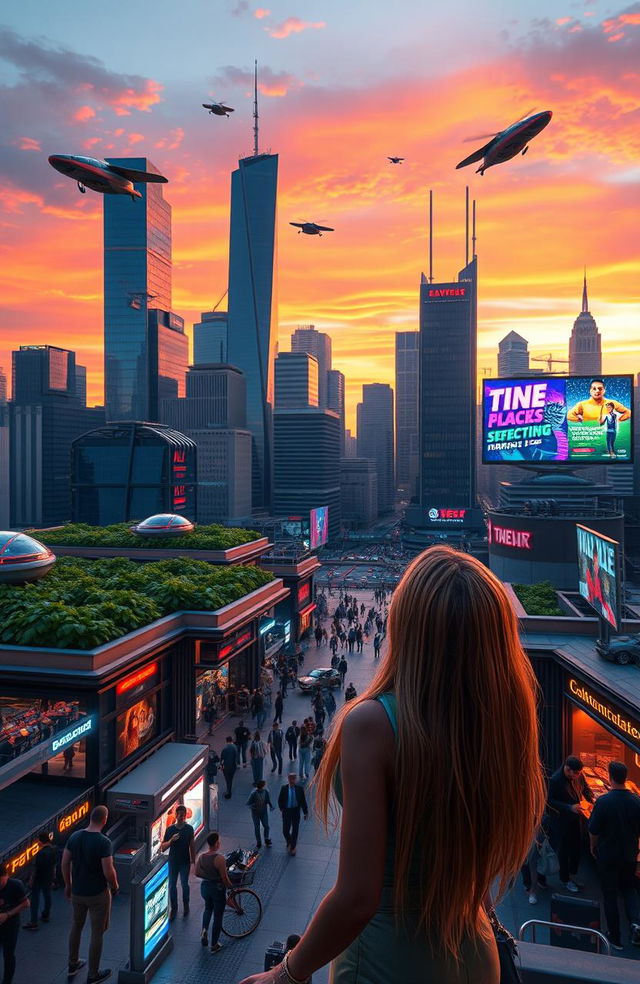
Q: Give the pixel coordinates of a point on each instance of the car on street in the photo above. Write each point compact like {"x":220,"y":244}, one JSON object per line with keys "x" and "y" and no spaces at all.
{"x":622,"y":649}
{"x":319,"y":678}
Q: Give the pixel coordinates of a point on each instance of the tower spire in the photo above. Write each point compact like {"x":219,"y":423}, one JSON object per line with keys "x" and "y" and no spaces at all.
{"x":255,"y":109}
{"x":585,"y":302}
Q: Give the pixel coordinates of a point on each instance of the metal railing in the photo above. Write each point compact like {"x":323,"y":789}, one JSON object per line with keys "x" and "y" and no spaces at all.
{"x":574,"y":929}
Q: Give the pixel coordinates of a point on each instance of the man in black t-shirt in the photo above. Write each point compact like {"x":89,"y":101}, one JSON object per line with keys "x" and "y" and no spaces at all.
{"x":90,"y":878}
{"x":242,"y":735}
{"x":13,"y":899}
{"x":614,"y":833}
{"x":179,"y":840}
{"x":44,"y":869}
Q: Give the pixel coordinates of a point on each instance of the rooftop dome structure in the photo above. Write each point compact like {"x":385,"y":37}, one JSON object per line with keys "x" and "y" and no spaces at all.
{"x":23,"y":559}
{"x":164,"y":524}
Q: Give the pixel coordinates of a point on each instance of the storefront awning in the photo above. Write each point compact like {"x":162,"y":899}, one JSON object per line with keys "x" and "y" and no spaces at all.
{"x":307,"y":610}
{"x":153,"y":785}
{"x":29,"y":806}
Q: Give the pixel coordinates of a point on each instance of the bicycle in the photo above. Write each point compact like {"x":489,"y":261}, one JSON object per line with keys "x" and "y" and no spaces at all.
{"x":243,"y":909}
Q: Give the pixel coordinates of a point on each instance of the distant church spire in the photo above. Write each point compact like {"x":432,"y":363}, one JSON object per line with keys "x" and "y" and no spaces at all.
{"x":255,"y":109}
{"x":585,"y":302}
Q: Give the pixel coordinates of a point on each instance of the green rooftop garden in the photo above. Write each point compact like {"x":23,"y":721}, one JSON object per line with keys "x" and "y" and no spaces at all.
{"x":538,"y":599}
{"x":81,"y":604}
{"x":212,"y":537}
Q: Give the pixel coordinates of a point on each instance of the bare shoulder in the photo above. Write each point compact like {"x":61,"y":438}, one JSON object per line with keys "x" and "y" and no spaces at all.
{"x":368,"y":721}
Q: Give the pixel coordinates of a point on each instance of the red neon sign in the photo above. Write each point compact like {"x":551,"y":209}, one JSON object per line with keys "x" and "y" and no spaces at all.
{"x":304,"y":592}
{"x":506,"y":537}
{"x":447,"y":292}
{"x":242,"y":640}
{"x":136,"y":678}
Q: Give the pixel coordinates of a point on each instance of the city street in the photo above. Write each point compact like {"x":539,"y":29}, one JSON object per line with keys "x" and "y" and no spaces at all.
{"x":290,"y":887}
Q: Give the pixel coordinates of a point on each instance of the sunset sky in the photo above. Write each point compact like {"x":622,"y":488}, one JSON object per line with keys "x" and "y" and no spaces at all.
{"x":342,"y":86}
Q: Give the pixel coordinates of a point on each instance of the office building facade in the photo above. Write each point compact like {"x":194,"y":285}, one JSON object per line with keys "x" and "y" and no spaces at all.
{"x":252,"y":307}
{"x":137,"y":279}
{"x":45,"y":417}
{"x":306,"y":472}
{"x":168,"y":349}
{"x":513,"y":355}
{"x":129,"y":470}
{"x":448,"y":341}
{"x":358,"y":492}
{"x":406,"y":394}
{"x":5,"y":498}
{"x":585,"y":343}
{"x":336,"y":401}
{"x":375,"y":438}
{"x":210,"y":338}
{"x":296,"y":381}
{"x":318,"y":344}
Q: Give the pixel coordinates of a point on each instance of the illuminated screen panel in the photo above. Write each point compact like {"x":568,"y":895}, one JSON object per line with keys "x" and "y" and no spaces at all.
{"x":551,"y":419}
{"x":156,"y":910}
{"x":598,"y":568}
{"x":137,"y":726}
{"x":318,"y":526}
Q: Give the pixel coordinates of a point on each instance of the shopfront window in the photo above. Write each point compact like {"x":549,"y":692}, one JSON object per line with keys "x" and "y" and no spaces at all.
{"x":596,"y":746}
{"x":211,"y":691}
{"x":48,"y":724}
{"x":136,"y":726}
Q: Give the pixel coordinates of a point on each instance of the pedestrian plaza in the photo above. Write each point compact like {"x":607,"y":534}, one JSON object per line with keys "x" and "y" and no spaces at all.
{"x":290,"y":888}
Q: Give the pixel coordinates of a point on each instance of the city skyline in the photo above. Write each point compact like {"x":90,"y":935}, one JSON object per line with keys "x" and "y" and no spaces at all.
{"x":540,"y":219}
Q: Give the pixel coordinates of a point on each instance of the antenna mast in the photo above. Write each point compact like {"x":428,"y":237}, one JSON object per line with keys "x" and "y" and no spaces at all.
{"x":255,"y":109}
{"x":466,"y":228}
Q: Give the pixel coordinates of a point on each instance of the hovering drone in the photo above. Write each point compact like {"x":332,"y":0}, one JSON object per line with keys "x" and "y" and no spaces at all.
{"x":395,"y":160}
{"x":311,"y":228}
{"x":109,"y":179}
{"x":218,"y":109}
{"x":509,"y":142}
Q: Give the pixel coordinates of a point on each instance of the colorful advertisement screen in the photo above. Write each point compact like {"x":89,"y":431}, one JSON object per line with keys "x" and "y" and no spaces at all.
{"x":137,"y":726}
{"x":546,"y":419}
{"x":318,"y":526}
{"x":598,"y":580}
{"x":156,"y":910}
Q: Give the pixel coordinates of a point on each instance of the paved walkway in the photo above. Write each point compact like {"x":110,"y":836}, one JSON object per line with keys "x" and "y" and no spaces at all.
{"x":290,"y":888}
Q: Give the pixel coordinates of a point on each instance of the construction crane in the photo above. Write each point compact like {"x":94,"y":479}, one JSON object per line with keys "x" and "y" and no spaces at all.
{"x":549,"y":359}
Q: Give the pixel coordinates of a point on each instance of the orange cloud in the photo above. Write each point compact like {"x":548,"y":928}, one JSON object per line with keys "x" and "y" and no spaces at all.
{"x":91,"y":142}
{"x":135,"y":138}
{"x":261,"y":13}
{"x":563,"y":20}
{"x":84,"y":114}
{"x":143,"y":99}
{"x":293,"y":25}
{"x":28,"y":143}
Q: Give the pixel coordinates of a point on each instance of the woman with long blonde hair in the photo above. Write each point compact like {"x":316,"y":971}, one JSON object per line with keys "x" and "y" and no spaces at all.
{"x":436,"y":767}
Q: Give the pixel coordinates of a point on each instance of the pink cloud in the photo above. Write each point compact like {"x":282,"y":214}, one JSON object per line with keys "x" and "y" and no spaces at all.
{"x":118,"y":132}
{"x":28,"y":143}
{"x":90,"y":142}
{"x":563,"y":20}
{"x":260,"y":13}
{"x":135,"y":138}
{"x":84,"y":114}
{"x":293,"y":25}
{"x":616,"y":37}
{"x":615,"y":23}
{"x":142,"y":99}
{"x":173,"y":141}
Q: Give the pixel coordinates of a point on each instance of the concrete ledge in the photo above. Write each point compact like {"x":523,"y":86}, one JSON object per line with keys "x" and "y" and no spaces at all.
{"x":542,"y":964}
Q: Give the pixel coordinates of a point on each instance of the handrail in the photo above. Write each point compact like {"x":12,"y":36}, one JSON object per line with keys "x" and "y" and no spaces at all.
{"x":555,"y":925}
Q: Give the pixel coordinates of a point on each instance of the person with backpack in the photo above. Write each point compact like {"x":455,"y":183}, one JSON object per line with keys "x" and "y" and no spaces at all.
{"x":257,"y":755}
{"x":260,"y":803}
{"x":291,"y":737}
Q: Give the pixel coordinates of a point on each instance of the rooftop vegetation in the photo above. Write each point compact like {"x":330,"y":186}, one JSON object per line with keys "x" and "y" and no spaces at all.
{"x":538,"y":599}
{"x":119,"y":535}
{"x":81,"y":604}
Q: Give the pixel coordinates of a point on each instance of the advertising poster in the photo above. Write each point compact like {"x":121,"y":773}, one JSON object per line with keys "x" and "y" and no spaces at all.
{"x":318,"y":526}
{"x":598,"y":573}
{"x":156,"y":910}
{"x":136,"y":726}
{"x":574,"y":419}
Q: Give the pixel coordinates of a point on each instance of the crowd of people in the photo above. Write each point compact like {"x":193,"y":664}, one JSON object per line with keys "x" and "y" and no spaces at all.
{"x":25,"y":725}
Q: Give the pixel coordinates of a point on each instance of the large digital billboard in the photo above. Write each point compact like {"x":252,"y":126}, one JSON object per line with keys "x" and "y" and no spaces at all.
{"x":156,"y":910}
{"x":136,"y":726}
{"x":318,"y":526}
{"x":598,"y":573}
{"x":547,"y":419}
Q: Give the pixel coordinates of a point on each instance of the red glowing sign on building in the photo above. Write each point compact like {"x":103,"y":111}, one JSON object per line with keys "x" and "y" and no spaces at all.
{"x":506,"y":537}
{"x":130,"y":682}
{"x":447,"y":292}
{"x":304,"y":593}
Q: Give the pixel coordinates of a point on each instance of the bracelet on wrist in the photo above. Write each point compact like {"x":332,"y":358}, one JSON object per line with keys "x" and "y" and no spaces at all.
{"x":290,"y":978}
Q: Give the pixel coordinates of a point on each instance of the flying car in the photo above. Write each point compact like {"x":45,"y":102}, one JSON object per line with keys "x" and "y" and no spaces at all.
{"x":218,"y":109}
{"x":110,"y":179}
{"x":395,"y":160}
{"x":509,"y":142}
{"x":311,"y":228}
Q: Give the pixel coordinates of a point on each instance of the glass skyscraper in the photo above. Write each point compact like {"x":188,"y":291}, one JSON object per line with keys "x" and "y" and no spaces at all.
{"x":137,"y":278}
{"x":252,"y":306}
{"x":448,"y":329}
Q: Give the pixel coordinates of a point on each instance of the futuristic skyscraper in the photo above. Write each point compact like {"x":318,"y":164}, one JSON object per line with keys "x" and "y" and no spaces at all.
{"x":252,"y":305}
